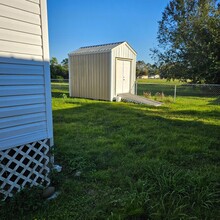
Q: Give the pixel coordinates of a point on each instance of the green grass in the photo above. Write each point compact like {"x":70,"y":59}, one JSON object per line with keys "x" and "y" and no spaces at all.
{"x":153,"y":86}
{"x":160,"y":81}
{"x":136,"y":162}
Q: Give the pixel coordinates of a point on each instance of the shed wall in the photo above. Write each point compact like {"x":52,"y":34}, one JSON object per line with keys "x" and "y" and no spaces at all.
{"x":123,"y":51}
{"x":25,"y":99}
{"x":90,"y":75}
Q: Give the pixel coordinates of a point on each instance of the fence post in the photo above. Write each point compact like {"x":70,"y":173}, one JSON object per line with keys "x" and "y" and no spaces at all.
{"x":175,"y":93}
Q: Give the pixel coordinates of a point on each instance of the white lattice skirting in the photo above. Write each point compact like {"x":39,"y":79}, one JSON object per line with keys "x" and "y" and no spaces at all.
{"x":26,"y":165}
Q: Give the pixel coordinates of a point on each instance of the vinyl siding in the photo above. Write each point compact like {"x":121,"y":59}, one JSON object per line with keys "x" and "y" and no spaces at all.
{"x":21,"y":80}
{"x":22,"y":119}
{"x":20,"y":30}
{"x":25,"y":104}
{"x":19,"y":14}
{"x":22,"y":103}
{"x":23,"y":5}
{"x":20,"y":37}
{"x":20,"y":26}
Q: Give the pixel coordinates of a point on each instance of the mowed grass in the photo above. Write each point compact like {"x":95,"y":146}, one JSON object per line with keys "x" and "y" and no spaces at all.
{"x":155,"y":86}
{"x":130,"y":161}
{"x":160,"y":81}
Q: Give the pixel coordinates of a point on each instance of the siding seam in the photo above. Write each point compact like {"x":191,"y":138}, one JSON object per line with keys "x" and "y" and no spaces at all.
{"x":9,"y":6}
{"x":20,"y":42}
{"x":21,"y":31}
{"x":20,"y":20}
{"x":32,"y":2}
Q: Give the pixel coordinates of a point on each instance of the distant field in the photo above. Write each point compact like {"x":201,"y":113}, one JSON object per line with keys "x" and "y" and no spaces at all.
{"x":160,"y":81}
{"x":129,"y":161}
{"x":60,"y":88}
{"x":154,"y":86}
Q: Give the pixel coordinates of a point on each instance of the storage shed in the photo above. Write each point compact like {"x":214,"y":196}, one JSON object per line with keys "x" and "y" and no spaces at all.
{"x":102,"y":71}
{"x":26,"y":132}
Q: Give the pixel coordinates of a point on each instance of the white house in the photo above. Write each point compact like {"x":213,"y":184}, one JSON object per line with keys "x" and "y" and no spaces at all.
{"x":26,"y":132}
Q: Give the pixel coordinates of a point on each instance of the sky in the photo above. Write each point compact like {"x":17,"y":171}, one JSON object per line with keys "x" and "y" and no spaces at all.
{"x":77,"y":23}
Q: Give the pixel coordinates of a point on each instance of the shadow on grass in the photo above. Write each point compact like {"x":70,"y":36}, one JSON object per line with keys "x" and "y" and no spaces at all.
{"x":128,"y":161}
{"x":206,"y":115}
{"x":59,"y":94}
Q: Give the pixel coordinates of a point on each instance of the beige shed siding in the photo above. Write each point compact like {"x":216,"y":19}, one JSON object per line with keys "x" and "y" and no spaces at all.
{"x":123,"y":51}
{"x":90,"y":76}
{"x":25,"y":111}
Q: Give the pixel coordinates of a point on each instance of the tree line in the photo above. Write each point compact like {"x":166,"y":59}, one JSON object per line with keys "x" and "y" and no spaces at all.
{"x":146,"y":69}
{"x":59,"y":70}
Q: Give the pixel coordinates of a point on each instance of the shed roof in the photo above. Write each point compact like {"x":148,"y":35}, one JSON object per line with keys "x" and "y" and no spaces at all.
{"x":97,"y":48}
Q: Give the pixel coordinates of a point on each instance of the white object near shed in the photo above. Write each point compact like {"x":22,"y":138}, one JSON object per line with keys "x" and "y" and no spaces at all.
{"x":102,"y":71}
{"x":26,"y":131}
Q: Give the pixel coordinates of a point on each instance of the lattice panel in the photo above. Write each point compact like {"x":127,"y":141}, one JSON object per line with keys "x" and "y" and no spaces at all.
{"x":26,"y":165}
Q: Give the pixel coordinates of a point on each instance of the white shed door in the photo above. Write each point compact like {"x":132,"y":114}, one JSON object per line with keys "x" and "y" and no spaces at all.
{"x":123,"y":72}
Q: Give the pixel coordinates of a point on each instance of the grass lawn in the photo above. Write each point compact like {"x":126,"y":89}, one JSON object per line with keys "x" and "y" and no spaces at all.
{"x":160,"y":81}
{"x":129,"y":161}
{"x":153,"y":86}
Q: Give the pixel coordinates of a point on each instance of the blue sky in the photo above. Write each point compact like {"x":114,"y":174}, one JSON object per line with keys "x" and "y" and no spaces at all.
{"x":76,"y":23}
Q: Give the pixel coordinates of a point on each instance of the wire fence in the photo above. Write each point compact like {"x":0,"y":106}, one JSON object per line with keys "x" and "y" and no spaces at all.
{"x":156,"y":90}
{"x":180,"y":90}
{"x":59,"y":81}
{"x":59,"y":87}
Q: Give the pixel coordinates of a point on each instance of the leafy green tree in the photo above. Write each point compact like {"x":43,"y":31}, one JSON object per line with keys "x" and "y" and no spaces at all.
{"x":59,"y":71}
{"x":54,"y":61}
{"x":152,"y":69}
{"x":189,"y":41}
{"x":65,"y":62}
{"x":141,"y":69}
{"x":65,"y":68}
{"x":53,"y":67}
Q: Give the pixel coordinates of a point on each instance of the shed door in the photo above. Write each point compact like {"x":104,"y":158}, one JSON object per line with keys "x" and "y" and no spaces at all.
{"x":123,"y":73}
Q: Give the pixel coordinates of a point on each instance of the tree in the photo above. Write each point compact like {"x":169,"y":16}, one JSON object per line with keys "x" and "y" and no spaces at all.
{"x":189,"y":39}
{"x":53,"y":61}
{"x":141,"y":69}
{"x":65,"y":63}
{"x":59,"y":71}
{"x":152,"y":69}
{"x":65,"y":68}
{"x":53,"y":67}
